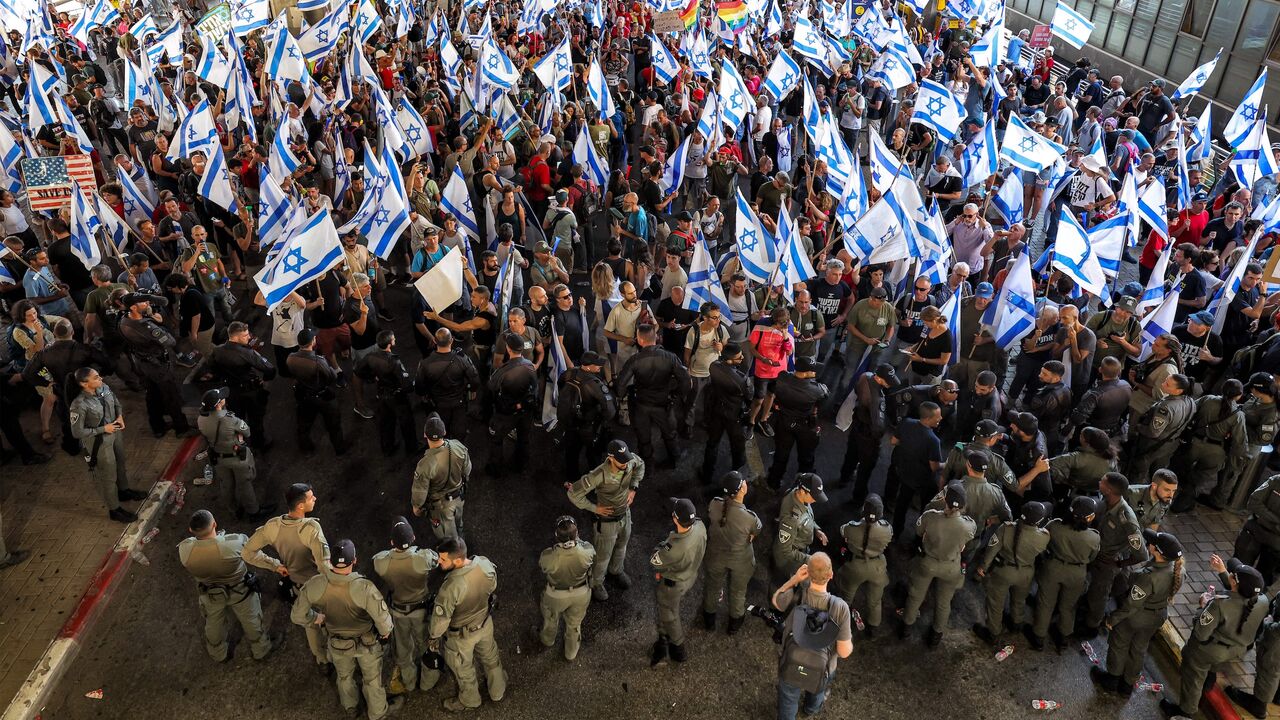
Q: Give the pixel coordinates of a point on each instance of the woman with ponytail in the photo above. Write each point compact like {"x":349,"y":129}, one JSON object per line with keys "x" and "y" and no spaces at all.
{"x":1009,"y":564}
{"x":1140,"y":614}
{"x":1222,"y":632}
{"x":1078,"y":472}
{"x":1073,"y":544}
{"x":865,"y":541}
{"x":731,"y":528}
{"x":1219,"y":442}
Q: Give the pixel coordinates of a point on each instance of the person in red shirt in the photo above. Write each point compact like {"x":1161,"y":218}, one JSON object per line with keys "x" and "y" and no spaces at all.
{"x":538,"y":176}
{"x":1190,"y":223}
{"x":772,"y":345}
{"x":1156,"y":243}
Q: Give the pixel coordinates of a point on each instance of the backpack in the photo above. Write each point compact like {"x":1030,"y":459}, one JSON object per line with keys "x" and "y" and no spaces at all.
{"x":801,"y":666}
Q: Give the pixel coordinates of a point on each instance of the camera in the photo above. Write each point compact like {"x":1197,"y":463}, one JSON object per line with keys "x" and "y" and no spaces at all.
{"x":771,"y":617}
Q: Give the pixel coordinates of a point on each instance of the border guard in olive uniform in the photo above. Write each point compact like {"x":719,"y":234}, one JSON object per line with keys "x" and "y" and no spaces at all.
{"x":97,"y":421}
{"x":404,"y":568}
{"x":567,"y":567}
{"x":230,"y":454}
{"x":675,"y":564}
{"x":730,"y":531}
{"x":614,"y":482}
{"x":224,"y":583}
{"x":440,"y":480}
{"x":462,"y":622}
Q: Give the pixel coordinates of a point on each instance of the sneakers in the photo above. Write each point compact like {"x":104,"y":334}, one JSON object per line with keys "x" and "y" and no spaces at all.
{"x":765,"y":429}
{"x":599,"y":594}
{"x":363,"y":413}
{"x":122,"y":515}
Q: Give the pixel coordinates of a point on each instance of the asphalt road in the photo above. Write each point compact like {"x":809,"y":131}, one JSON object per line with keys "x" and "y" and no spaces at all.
{"x":148,"y":658}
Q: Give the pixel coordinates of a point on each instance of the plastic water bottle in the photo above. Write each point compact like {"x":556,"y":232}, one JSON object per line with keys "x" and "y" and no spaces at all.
{"x":1208,"y":595}
{"x":139,"y":558}
{"x":1004,"y":653}
{"x":208,"y":474}
{"x":1045,"y":704}
{"x":1090,"y":652}
{"x":150,"y":536}
{"x":857,"y":620}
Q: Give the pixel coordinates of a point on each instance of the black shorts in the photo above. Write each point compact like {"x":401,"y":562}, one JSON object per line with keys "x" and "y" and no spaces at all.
{"x":763,"y":387}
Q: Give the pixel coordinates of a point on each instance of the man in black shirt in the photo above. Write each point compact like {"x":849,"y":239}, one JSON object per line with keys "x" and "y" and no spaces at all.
{"x":1194,"y":295}
{"x":1201,"y":347}
{"x":570,"y":322}
{"x":69,"y":268}
{"x":361,"y":316}
{"x":1225,"y":232}
{"x":1037,"y":348}
{"x":332,"y":334}
{"x":910,"y":329}
{"x":675,"y":320}
{"x":1154,"y":110}
{"x":1245,"y":312}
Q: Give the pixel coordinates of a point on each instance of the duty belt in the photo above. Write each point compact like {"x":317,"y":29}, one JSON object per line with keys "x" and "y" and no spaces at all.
{"x":868,"y":557}
{"x":408,"y":607}
{"x":610,"y":518}
{"x":226,"y":455}
{"x":1000,"y":562}
{"x":569,"y":587}
{"x":669,"y":582}
{"x":1065,"y":562}
{"x":470,"y":628}
{"x":1219,"y":443}
{"x":456,"y":494}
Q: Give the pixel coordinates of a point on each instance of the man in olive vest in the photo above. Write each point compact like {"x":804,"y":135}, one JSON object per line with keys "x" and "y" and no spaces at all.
{"x":567,"y":566}
{"x":461,"y":622}
{"x":440,"y":480}
{"x":404,"y":568}
{"x":225,"y":584}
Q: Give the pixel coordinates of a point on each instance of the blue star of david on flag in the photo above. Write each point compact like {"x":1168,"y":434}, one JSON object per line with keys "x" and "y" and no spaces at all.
{"x":293,"y":261}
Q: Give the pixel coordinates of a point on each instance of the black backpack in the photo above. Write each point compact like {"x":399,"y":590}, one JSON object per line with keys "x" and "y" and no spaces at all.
{"x":801,"y":664}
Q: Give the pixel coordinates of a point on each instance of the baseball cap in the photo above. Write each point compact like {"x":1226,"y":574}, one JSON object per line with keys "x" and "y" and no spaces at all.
{"x":1158,"y":82}
{"x":1127,"y":302}
{"x":977,"y":460}
{"x":542,"y":247}
{"x":562,"y":196}
{"x":872,"y":508}
{"x":1165,"y":543}
{"x":887,"y":373}
{"x":402,"y":533}
{"x":1034,"y":513}
{"x":731,"y":483}
{"x":1082,"y":506}
{"x":1263,"y":381}
{"x":434,"y":428}
{"x":214,"y":396}
{"x":812,"y":484}
{"x":591,"y":357}
{"x":985,"y":290}
{"x":954,"y":495}
{"x":1203,"y":317}
{"x":1200,"y":196}
{"x":1249,"y":581}
{"x":806,"y":364}
{"x":879,"y":292}
{"x":1026,"y":422}
{"x":987,"y":427}
{"x":343,"y":554}
{"x":684,"y":511}
{"x":685,"y":216}
{"x":547,"y":138}
{"x":618,"y":451}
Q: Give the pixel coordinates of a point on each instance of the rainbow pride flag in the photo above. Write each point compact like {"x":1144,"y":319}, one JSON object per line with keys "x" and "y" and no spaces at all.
{"x":690,"y":14}
{"x":733,"y":13}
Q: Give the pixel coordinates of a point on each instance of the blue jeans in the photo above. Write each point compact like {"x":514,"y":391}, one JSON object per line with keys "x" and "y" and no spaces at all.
{"x":789,"y":697}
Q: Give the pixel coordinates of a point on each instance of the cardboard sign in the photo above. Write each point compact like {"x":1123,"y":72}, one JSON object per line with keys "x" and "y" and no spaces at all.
{"x":668,"y":22}
{"x":48,"y":180}
{"x":1040,"y":36}
{"x":1271,"y":273}
{"x":216,"y":22}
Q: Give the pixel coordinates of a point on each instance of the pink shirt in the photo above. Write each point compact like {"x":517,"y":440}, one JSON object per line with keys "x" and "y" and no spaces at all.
{"x":774,"y":344}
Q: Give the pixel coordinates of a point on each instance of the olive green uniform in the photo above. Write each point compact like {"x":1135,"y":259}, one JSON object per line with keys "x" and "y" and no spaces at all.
{"x":1080,"y":470}
{"x":221,"y":580}
{"x":796,"y":528}
{"x":567,"y":566}
{"x":405,"y":573}
{"x":1155,"y":434}
{"x":1150,"y":512}
{"x":867,"y":564}
{"x":1141,"y":613}
{"x":303,"y":552}
{"x":1223,"y":631}
{"x":103,"y":451}
{"x":1009,"y":562}
{"x":1217,"y":446}
{"x":355,"y":616}
{"x":462,"y":617}
{"x":1266,"y":680}
{"x":1260,"y":423}
{"x":998,"y":472}
{"x":614,"y":530}
{"x":440,"y":485}
{"x":983,"y":503}
{"x":1063,"y":574}
{"x":233,"y":465}
{"x":731,"y":528}
{"x":1121,"y":546}
{"x":675,"y":562}
{"x":943,"y":538}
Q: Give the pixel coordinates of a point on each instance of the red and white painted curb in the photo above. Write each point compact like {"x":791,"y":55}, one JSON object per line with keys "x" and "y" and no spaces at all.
{"x":58,"y":657}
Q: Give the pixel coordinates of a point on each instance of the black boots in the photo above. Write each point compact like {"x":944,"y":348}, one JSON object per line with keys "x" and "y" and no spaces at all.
{"x":658,"y":654}
{"x":735,"y":624}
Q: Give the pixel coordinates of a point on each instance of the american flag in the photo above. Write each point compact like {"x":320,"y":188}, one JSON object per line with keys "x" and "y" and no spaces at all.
{"x":49,"y":179}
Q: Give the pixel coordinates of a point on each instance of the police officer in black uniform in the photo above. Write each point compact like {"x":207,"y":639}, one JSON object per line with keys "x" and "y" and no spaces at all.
{"x":871,"y":419}
{"x":238,"y":366}
{"x":728,"y":400}
{"x":796,"y":397}
{"x":150,"y":348}
{"x":1028,"y":458}
{"x":315,"y":392}
{"x":982,"y":402}
{"x":654,"y":377}
{"x":513,"y":390}
{"x":1051,"y":403}
{"x":584,"y":410}
{"x":945,"y":395}
{"x":445,"y":378}
{"x":384,"y":368}
{"x":54,"y":365}
{"x":1106,"y":404}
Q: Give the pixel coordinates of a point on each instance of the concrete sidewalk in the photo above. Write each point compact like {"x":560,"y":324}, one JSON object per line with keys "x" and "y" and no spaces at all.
{"x":54,"y":512}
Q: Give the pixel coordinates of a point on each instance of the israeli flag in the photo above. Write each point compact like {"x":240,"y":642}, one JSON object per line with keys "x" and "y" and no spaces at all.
{"x":214,"y":66}
{"x":774,"y":23}
{"x":1268,"y":215}
{"x":497,"y":68}
{"x":1009,"y":200}
{"x":981,"y":157}
{"x":10,"y":154}
{"x":665,"y":66}
{"x":598,"y":90}
{"x":808,"y":43}
{"x":939,"y":109}
{"x":274,"y":208}
{"x":1160,"y":322}
{"x":1108,"y":241}
{"x":137,"y":206}
{"x":584,"y":154}
{"x":699,"y":54}
{"x":756,"y":252}
{"x":72,"y":126}
{"x":1196,"y":80}
{"x":703,"y":284}
{"x":951,"y":311}
{"x":1015,"y":308}
{"x":456,"y":200}
{"x":38,"y":106}
{"x":989,"y":51}
{"x":286,"y":62}
{"x":885,"y":166}
{"x":250,"y":15}
{"x":1152,"y":207}
{"x":367,"y":20}
{"x":392,"y":216}
{"x":555,"y":69}
{"x":102,"y":14}
{"x":1254,"y":158}
{"x":84,"y":226}
{"x":196,"y":132}
{"x":1201,"y":139}
{"x":1071,"y":26}
{"x":793,"y":263}
{"x":168,"y":42}
{"x":879,"y":235}
{"x":1073,"y":255}
{"x":1242,"y":120}
{"x":6,"y":277}
{"x":215,"y":184}
{"x":783,"y":77}
{"x":673,"y":171}
{"x":318,"y":40}
{"x":1028,"y":149}
{"x":282,"y":162}
{"x":1231,"y":286}
{"x":1154,"y":293}
{"x":894,"y":69}
{"x":735,"y":101}
{"x":306,"y":255}
{"x":309,"y":5}
{"x":709,"y":121}
{"x":145,"y":26}
{"x":417,"y":138}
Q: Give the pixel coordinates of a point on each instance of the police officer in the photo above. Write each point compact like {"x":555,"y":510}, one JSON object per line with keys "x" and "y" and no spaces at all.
{"x":1155,"y":435}
{"x":1140,"y":614}
{"x":444,"y":380}
{"x":97,"y":421}
{"x":1028,"y":458}
{"x":614,"y":483}
{"x":246,"y":371}
{"x":796,"y":397}
{"x":727,"y":399}
{"x":1219,"y":442}
{"x":943,"y":536}
{"x":1260,"y":422}
{"x":1008,"y":565}
{"x":567,"y":567}
{"x":945,"y":395}
{"x":440,"y":480}
{"x":229,"y":453}
{"x":984,"y":502}
{"x":53,"y":366}
{"x":225,"y":584}
{"x":150,"y":349}
{"x":1258,"y":543}
{"x":1073,"y":545}
{"x":871,"y":419}
{"x":866,"y":540}
{"x":584,"y":409}
{"x":1106,"y":404}
{"x":1151,"y":502}
{"x":1050,"y":403}
{"x":675,"y":564}
{"x":513,"y":390}
{"x":315,"y":393}
{"x":300,"y":543}
{"x":354,"y":615}
{"x":987,"y":434}
{"x":1266,"y":677}
{"x":731,"y":530}
{"x":1223,"y":631}
{"x":1121,"y":547}
{"x":462,"y":622}
{"x":652,"y":379}
{"x":384,"y":368}
{"x":982,"y":401}
{"x":1078,"y":472}
{"x":796,"y":525}
{"x":404,"y":568}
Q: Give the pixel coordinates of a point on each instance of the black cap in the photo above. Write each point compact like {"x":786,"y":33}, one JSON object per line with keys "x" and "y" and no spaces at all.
{"x":132,"y":299}
{"x":879,"y":292}
{"x":591,"y":357}
{"x":1166,"y":544}
{"x":872,"y":508}
{"x":684,"y":511}
{"x":1082,"y":507}
{"x":731,"y":483}
{"x":954,"y":495}
{"x":1263,"y":381}
{"x":887,"y":373}
{"x":987,"y":428}
{"x":618,"y":451}
{"x":1249,"y":581}
{"x":343,"y":554}
{"x":685,"y":216}
{"x":214,"y":396}
{"x":402,"y":533}
{"x":1026,"y":422}
{"x":812,"y":484}
{"x":977,"y":460}
{"x":1034,"y":513}
{"x":806,"y":364}
{"x":434,"y":429}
